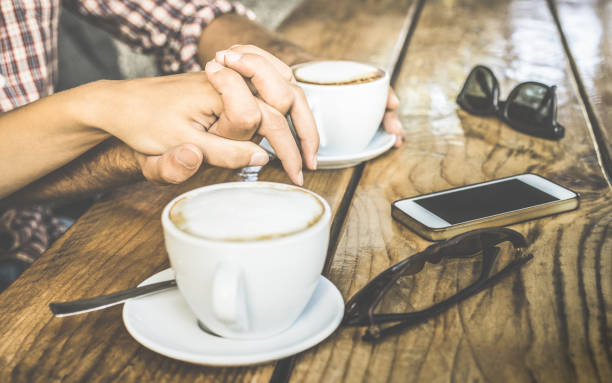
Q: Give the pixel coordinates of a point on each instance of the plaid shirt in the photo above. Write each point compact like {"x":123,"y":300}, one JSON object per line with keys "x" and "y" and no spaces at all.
{"x":28,"y":37}
{"x":28,"y":71}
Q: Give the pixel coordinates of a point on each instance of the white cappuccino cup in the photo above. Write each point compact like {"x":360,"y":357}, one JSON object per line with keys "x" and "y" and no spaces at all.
{"x":247,"y":255}
{"x":348,"y":100}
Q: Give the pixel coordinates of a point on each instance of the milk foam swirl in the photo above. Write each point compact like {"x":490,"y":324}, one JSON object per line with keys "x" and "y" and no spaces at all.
{"x":246,"y":214}
{"x":336,"y":73}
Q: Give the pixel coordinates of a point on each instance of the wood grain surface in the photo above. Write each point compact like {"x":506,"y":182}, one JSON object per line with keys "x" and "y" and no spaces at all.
{"x":587,"y":27}
{"x":552,"y":322}
{"x":372,"y":31}
{"x":118,"y":242}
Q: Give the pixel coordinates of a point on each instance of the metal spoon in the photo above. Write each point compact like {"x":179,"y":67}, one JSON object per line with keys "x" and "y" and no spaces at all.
{"x":81,"y":306}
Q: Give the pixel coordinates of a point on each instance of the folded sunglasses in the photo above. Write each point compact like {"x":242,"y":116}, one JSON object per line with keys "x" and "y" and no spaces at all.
{"x":531,"y":107}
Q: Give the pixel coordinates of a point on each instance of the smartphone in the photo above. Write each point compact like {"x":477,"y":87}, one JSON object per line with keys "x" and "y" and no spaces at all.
{"x":500,"y":202}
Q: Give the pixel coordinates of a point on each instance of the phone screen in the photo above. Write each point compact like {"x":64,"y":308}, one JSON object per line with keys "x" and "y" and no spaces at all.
{"x":483,"y":201}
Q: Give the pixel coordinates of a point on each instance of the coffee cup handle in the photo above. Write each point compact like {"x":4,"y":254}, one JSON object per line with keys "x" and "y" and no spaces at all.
{"x":228,"y":296}
{"x":313,"y":103}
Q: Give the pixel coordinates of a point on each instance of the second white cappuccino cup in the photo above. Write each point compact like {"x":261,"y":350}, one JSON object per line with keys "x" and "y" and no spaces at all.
{"x":348,"y":100}
{"x":247,"y":255}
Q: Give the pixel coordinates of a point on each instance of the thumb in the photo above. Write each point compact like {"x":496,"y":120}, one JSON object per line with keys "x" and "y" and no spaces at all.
{"x":173,"y":167}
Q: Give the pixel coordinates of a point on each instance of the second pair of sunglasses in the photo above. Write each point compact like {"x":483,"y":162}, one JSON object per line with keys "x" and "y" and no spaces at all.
{"x":531,"y":107}
{"x":484,"y":244}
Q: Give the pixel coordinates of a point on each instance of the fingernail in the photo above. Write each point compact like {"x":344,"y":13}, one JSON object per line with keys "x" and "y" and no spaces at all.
{"x":315,"y":162}
{"x":188,"y":158}
{"x":259,"y":159}
{"x":220,"y":56}
{"x":300,"y":178}
{"x":398,"y":141}
{"x":212,"y":66}
{"x":232,"y":57}
{"x":397,"y":125}
{"x":394,"y":99}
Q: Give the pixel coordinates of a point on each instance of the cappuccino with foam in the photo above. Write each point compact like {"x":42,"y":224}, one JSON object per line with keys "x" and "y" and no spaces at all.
{"x":348,"y":101}
{"x":336,"y":73}
{"x":247,"y":255}
{"x":247,"y":214}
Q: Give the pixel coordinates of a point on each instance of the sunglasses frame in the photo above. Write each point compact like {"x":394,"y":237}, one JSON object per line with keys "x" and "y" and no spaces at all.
{"x":360,"y":308}
{"x":554,"y":131}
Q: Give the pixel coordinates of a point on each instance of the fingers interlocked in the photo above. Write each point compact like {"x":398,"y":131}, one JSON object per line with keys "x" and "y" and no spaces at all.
{"x":245,"y":114}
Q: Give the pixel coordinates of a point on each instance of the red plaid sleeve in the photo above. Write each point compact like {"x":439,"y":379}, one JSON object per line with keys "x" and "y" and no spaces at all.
{"x":28,"y":51}
{"x":169,"y":28}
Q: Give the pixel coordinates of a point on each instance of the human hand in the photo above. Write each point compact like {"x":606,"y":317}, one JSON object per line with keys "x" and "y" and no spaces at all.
{"x":265,"y":81}
{"x":155,"y":115}
{"x":391,"y":122}
{"x":278,"y":95}
{"x":173,"y":167}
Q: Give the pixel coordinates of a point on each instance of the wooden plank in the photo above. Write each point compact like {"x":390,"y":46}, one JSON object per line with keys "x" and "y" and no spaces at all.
{"x":551,"y":322}
{"x":587,"y":27}
{"x":118,"y":242}
{"x":368,"y":31}
{"x":374,"y":44}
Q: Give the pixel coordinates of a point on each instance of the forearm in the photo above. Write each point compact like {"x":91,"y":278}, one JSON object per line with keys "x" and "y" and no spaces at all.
{"x":43,"y":136}
{"x":109,"y":164}
{"x":231,"y":29}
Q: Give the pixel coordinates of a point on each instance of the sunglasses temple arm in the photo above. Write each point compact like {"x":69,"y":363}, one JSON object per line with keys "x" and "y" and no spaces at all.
{"x":487,"y":265}
{"x":423,"y":316}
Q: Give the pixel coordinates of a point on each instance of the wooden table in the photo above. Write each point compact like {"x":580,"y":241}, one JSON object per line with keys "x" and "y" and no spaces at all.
{"x":552,"y":322}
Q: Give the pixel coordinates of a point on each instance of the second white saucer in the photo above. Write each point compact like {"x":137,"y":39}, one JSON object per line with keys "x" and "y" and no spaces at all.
{"x":381,"y":142}
{"x":164,"y":323}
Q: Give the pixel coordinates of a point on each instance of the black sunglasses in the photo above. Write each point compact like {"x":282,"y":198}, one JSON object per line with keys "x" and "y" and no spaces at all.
{"x":360,"y":308}
{"x":531,"y":107}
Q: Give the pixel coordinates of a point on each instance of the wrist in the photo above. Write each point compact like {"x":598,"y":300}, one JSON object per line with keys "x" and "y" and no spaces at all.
{"x":91,"y":104}
{"x":289,"y":53}
{"x":231,"y":29}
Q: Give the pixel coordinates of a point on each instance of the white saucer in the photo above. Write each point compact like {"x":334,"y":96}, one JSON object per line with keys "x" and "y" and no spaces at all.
{"x":163,"y":323}
{"x":381,"y":142}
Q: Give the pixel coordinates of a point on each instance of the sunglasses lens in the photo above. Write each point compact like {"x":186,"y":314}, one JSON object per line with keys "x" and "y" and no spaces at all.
{"x":471,"y":245}
{"x":434,"y":284}
{"x":530,"y":109}
{"x":437,"y":282}
{"x":478,"y":94}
